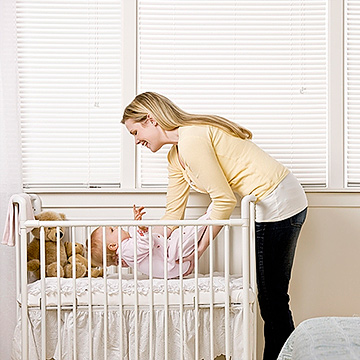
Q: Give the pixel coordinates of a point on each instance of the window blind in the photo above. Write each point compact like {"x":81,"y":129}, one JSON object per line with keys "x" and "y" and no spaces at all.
{"x":69,"y":55}
{"x":352,"y":93}
{"x":259,"y":63}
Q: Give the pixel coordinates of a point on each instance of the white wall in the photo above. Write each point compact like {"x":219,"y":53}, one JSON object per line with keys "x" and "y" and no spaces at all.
{"x":325,"y":280}
{"x":326,"y":272}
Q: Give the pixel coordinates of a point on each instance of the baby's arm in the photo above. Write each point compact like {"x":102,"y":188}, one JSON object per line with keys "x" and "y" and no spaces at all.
{"x":138,"y":213}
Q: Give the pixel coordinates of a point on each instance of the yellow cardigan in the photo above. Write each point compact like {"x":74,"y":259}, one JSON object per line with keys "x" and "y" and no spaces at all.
{"x":218,"y":164}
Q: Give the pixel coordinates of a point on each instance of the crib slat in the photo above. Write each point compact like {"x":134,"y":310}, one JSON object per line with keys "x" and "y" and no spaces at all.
{"x":227,"y":292}
{"x":211,"y":237}
{"x":105,"y":293}
{"x":196,"y":294}
{"x":181,"y":306}
{"x":151,"y":304}
{"x":74,"y":293}
{"x":166,"y":294}
{"x":43,"y":294}
{"x":58,"y":290}
{"x":121,"y":308}
{"x":89,"y":294}
{"x":136,"y":305}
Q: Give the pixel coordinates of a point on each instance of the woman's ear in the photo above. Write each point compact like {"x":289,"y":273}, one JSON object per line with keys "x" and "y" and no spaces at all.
{"x":150,"y":118}
{"x":113,"y":246}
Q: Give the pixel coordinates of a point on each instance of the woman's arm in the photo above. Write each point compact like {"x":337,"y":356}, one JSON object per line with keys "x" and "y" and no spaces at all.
{"x":178,"y":189}
{"x":198,"y":152}
{"x":200,"y":156}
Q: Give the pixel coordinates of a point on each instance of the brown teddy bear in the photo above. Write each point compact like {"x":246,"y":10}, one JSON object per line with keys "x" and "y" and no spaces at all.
{"x":33,"y":251}
{"x":80,"y":260}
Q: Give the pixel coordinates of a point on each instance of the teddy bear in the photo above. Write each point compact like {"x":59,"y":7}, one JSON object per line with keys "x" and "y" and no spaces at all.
{"x":33,"y":250}
{"x":80,"y":260}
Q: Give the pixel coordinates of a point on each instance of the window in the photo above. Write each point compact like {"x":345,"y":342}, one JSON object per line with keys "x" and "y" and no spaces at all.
{"x":227,"y":57}
{"x":265,"y":64}
{"x":70,"y":81}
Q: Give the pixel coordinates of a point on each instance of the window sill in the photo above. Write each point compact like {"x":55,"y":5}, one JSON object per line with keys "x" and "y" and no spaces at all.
{"x":154,"y":190}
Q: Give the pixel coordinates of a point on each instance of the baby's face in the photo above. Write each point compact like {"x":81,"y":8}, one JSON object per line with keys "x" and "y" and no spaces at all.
{"x":112,"y":239}
{"x":112,"y":234}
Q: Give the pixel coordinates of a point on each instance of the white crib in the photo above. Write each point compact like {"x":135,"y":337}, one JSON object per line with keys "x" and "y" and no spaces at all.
{"x":126,"y":315}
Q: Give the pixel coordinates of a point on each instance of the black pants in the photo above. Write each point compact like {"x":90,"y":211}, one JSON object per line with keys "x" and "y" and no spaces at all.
{"x":275,"y":250}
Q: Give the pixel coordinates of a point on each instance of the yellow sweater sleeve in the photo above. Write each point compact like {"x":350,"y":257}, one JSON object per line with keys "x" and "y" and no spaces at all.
{"x":197,"y":151}
{"x":178,"y":190}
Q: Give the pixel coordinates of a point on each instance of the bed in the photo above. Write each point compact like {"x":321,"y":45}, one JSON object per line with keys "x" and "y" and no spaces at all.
{"x":127,"y":315}
{"x":324,"y":338}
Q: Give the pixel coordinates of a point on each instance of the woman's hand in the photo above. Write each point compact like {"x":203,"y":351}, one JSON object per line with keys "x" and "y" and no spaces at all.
{"x":124,"y":264}
{"x":191,"y":259}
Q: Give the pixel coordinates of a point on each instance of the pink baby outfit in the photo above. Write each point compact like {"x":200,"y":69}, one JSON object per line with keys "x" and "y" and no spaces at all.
{"x":173,"y":251}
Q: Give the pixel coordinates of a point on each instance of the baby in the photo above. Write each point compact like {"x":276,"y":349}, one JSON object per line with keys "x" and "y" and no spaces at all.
{"x":142,"y":240}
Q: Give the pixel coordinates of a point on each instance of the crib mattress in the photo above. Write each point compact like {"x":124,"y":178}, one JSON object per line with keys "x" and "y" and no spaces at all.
{"x":82,"y":287}
{"x":327,"y":338}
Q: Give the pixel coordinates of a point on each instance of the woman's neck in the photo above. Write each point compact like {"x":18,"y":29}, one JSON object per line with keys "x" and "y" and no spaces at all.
{"x":172,"y":136}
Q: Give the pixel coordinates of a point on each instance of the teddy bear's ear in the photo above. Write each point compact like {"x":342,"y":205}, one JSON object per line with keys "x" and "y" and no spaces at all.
{"x":36,"y":233}
{"x":67,"y":245}
{"x":63,"y":217}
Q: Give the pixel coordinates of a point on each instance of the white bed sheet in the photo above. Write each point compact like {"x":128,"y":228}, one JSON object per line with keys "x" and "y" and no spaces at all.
{"x":325,"y":338}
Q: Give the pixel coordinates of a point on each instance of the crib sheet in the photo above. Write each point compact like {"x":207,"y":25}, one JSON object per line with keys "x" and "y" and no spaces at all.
{"x":143,"y":288}
{"x":325,"y":338}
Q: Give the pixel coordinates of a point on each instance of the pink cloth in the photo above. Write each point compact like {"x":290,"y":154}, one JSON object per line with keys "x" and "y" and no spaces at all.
{"x":173,"y":252}
{"x":11,"y":227}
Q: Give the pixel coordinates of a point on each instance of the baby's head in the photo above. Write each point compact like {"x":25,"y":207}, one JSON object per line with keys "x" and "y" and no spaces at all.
{"x":111,"y":236}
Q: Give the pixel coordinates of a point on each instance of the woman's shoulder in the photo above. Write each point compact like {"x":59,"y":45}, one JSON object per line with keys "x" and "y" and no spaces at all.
{"x":195,"y":130}
{"x":193,"y":134}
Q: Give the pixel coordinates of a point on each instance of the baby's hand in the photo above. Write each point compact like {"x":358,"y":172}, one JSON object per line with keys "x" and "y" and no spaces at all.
{"x":138,"y":214}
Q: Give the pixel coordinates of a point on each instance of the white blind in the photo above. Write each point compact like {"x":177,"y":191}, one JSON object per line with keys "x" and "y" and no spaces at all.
{"x":69,"y":55}
{"x":352,"y":92}
{"x":259,"y":63}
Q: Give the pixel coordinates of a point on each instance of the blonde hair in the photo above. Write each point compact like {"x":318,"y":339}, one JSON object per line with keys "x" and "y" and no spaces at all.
{"x":169,"y":116}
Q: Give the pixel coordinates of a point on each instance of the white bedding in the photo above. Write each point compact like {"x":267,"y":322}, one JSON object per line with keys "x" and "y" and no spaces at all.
{"x":128,"y":326}
{"x":128,"y":290}
{"x":325,"y":338}
{"x":65,"y":340}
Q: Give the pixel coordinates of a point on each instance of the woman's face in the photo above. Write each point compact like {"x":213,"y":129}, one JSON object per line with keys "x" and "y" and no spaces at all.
{"x":147,"y":133}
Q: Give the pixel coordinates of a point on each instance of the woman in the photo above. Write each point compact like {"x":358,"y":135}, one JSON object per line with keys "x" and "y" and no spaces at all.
{"x":216,"y":156}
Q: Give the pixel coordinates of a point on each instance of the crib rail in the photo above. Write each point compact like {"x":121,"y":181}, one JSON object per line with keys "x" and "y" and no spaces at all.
{"x":227,"y":303}
{"x":137,"y":223}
